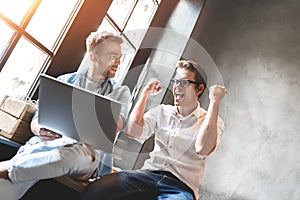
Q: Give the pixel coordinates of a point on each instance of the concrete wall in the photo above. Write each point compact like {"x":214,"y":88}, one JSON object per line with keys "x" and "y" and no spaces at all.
{"x":256,"y":45}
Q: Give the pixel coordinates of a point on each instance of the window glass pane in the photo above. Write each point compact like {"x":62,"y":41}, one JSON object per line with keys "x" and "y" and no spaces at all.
{"x":6,"y":33}
{"x":106,"y":26}
{"x":139,"y":21}
{"x":49,"y":19}
{"x":119,"y":11}
{"x":15,"y":9}
{"x":21,"y":69}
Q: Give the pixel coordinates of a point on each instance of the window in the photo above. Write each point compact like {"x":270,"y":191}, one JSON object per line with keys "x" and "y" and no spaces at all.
{"x":131,"y":19}
{"x":31,"y":31}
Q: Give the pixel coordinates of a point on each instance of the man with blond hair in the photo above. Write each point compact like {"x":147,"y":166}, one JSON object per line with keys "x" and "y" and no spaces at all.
{"x":49,"y":154}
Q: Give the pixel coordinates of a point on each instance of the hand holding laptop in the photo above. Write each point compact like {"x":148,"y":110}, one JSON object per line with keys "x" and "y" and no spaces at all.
{"x":44,"y":133}
{"x":47,"y":135}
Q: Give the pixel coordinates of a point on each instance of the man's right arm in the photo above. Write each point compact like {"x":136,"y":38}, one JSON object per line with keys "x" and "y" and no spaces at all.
{"x":136,"y":119}
{"x":43,"y":133}
{"x":35,"y":127}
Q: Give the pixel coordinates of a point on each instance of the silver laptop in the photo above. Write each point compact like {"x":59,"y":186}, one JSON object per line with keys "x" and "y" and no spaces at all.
{"x":78,"y":113}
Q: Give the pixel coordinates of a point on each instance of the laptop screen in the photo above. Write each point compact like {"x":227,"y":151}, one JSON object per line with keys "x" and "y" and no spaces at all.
{"x":77,"y":113}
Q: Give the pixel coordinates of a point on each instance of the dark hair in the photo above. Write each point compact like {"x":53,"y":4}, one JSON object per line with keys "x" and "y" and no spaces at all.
{"x":200,"y":75}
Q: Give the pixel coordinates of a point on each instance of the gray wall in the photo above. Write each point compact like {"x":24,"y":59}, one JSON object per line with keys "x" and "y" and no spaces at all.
{"x":256,"y":45}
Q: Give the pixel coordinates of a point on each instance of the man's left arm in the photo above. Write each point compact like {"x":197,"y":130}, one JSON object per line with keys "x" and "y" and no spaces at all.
{"x":208,"y":133}
{"x":124,"y":98}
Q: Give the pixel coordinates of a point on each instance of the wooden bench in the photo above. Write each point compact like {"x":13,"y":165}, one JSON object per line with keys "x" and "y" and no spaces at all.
{"x":72,"y":183}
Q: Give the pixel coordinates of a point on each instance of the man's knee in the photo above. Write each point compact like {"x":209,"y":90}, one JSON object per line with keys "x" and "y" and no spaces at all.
{"x":104,"y":187}
{"x":78,"y":157}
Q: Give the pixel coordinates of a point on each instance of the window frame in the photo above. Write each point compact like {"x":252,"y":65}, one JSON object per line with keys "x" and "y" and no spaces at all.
{"x":20,"y":31}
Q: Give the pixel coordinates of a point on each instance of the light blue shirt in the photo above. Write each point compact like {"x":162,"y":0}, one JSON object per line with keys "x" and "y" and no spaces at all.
{"x":118,"y":93}
{"x":80,"y":79}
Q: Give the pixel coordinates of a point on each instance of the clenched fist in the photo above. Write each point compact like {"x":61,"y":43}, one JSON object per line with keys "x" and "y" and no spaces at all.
{"x":217,"y":92}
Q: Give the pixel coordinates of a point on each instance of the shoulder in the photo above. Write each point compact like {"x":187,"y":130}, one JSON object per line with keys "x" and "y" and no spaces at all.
{"x":124,"y":89}
{"x":69,"y":77}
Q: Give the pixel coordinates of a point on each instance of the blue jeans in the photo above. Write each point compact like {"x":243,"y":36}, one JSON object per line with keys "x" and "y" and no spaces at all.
{"x":140,"y":184}
{"x":41,"y":160}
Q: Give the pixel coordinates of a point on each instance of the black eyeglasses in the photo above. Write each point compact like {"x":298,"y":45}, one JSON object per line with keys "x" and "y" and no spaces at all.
{"x":183,"y":83}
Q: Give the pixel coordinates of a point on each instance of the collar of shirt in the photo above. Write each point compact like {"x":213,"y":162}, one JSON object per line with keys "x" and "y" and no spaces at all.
{"x":197,"y":113}
{"x":84,"y":79}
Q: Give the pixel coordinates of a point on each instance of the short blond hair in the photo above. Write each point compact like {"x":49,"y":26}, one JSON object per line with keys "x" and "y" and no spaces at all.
{"x":96,"y":38}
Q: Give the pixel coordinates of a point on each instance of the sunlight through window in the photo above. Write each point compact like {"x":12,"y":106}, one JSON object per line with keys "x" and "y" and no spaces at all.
{"x":21,"y":25}
{"x":32,"y":30}
{"x":15,"y":10}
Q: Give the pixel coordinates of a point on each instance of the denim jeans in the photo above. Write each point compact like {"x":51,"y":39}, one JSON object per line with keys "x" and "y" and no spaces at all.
{"x":37,"y":160}
{"x":140,"y":184}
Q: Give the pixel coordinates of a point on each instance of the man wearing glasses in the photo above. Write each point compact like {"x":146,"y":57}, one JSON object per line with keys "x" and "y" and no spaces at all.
{"x":185,"y":134}
{"x":48,"y":154}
